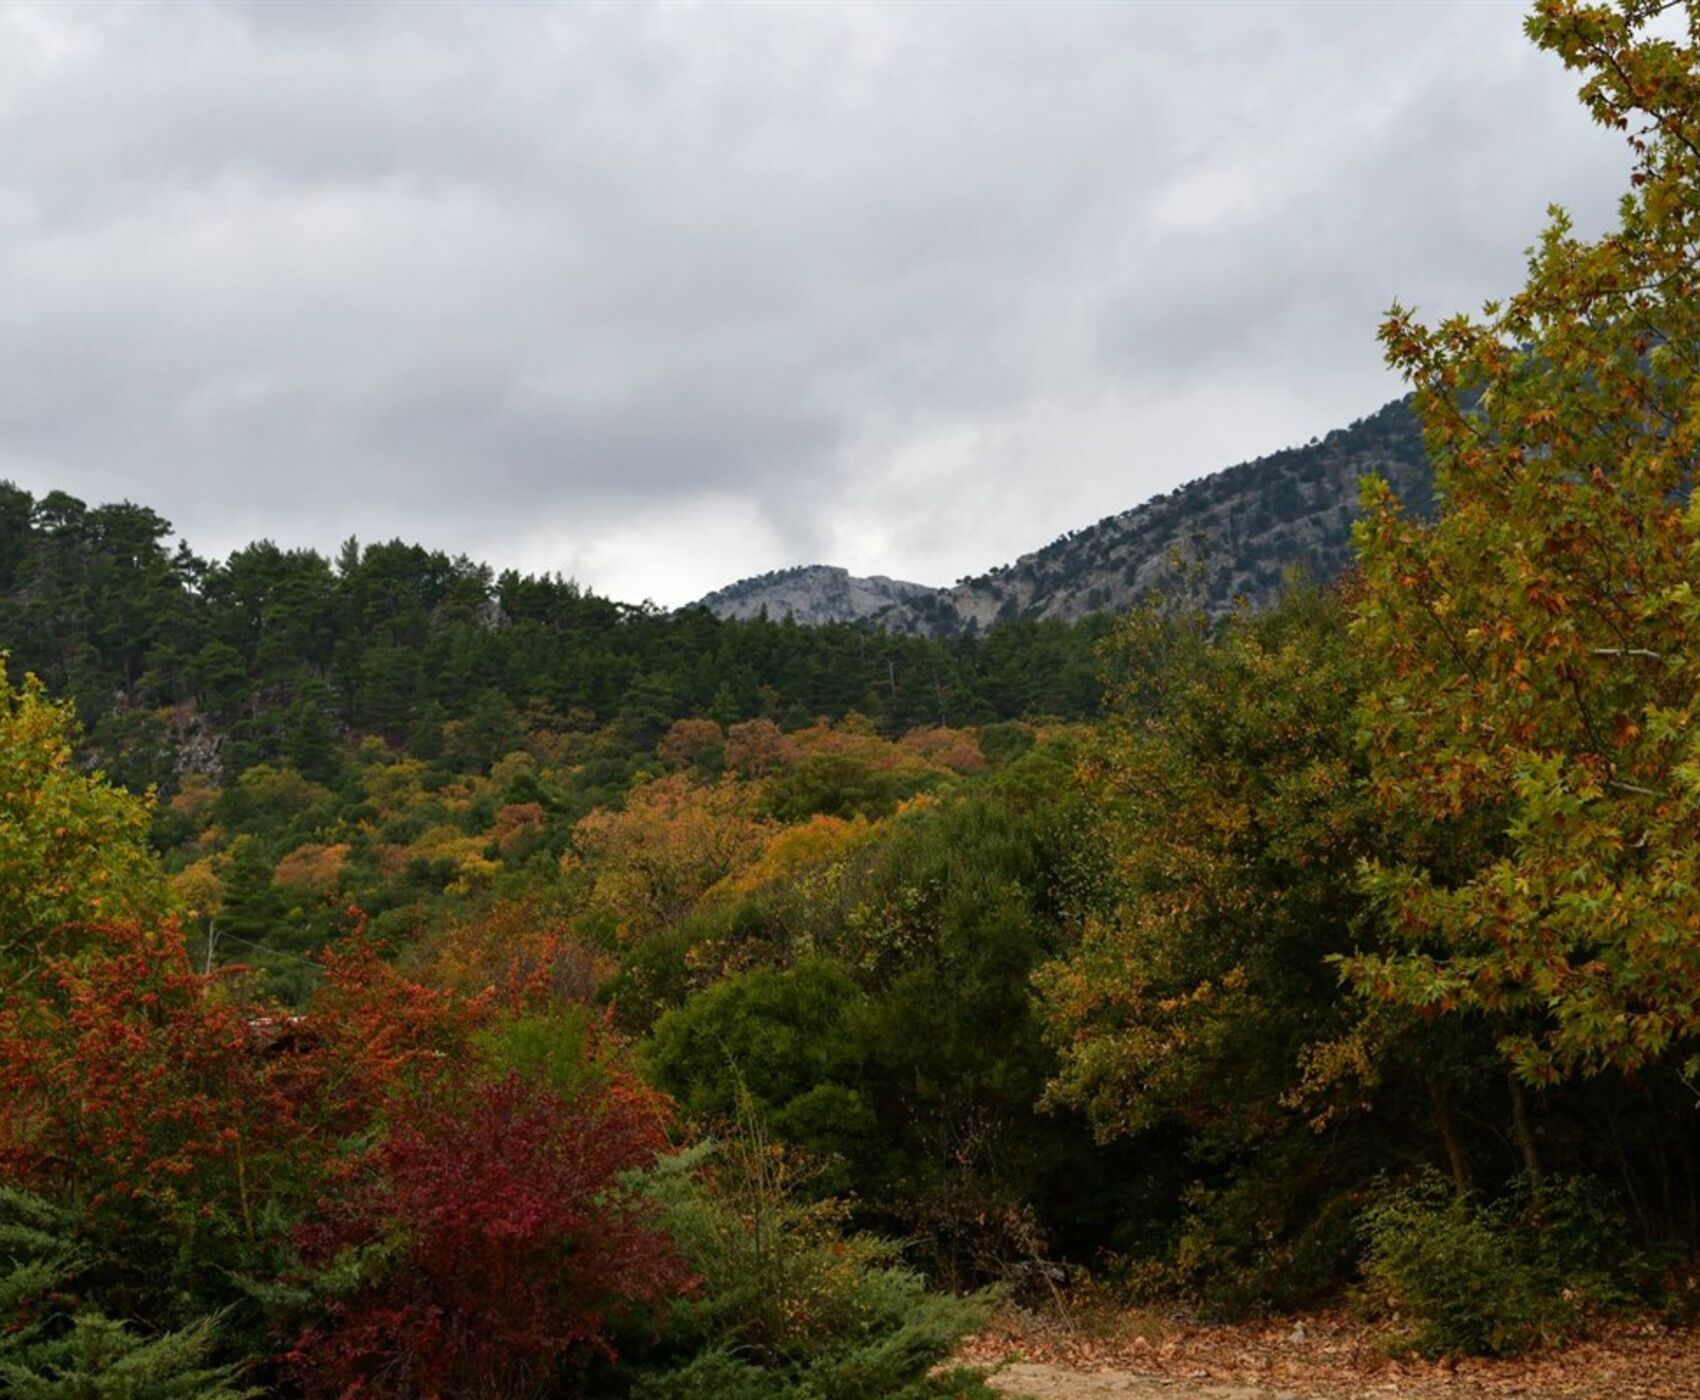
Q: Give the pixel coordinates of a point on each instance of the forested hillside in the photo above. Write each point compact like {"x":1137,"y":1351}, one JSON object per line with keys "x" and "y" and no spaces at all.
{"x":1229,"y":537}
{"x":178,"y":664}
{"x":458,"y":985}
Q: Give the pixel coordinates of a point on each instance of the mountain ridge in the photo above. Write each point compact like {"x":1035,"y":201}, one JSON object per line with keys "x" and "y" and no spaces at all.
{"x":1229,"y":535}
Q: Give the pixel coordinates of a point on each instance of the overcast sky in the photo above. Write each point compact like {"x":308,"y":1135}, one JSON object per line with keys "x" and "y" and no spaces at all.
{"x":661,"y":297}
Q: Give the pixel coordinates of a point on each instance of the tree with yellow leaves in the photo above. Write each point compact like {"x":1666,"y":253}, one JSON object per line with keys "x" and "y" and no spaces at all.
{"x":73,"y":848}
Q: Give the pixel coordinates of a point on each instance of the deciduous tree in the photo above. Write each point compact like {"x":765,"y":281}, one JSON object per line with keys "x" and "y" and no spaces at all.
{"x":73,"y":849}
{"x":1543,"y":638}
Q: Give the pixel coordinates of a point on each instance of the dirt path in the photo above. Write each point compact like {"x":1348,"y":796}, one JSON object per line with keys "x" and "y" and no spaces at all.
{"x":1038,"y":1382}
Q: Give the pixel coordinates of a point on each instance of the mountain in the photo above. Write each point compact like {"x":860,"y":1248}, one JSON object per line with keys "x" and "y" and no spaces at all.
{"x":814,"y":593}
{"x":1225,"y":536}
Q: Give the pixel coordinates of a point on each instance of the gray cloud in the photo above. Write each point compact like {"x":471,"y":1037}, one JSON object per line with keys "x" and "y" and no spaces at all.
{"x":661,"y":296}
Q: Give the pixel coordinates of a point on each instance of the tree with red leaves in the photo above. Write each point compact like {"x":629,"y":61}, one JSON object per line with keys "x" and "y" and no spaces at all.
{"x":181,"y":1123}
{"x":518,"y":1244}
{"x":124,"y":1085}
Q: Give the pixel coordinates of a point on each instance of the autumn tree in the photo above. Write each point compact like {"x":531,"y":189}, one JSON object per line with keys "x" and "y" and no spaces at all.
{"x":73,"y":849}
{"x":507,"y":946}
{"x":692,"y":743}
{"x":1541,"y":638}
{"x":673,"y":841}
{"x":1233,"y":819}
{"x":1199,"y":1006}
{"x":757,"y":748}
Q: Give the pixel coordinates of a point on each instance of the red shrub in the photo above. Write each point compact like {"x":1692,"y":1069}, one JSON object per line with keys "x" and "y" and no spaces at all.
{"x":125,"y":1084}
{"x":382,"y":1033}
{"x":168,"y":1110}
{"x":188,"y":1129}
{"x":517,"y":1244}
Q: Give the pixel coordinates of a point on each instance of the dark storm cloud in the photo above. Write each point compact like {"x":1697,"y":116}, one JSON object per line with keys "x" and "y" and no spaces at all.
{"x":666,"y":295}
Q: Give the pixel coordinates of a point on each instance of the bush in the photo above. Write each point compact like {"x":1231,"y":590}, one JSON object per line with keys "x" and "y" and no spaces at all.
{"x":1495,"y":1278}
{"x":782,"y":1039}
{"x":48,"y":1354}
{"x":1280,"y":1234}
{"x":835,"y":785}
{"x":518,"y":1246}
{"x":790,"y":1304}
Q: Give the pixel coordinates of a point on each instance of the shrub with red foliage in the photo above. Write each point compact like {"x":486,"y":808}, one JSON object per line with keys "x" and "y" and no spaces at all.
{"x":519,"y":1247}
{"x":199,"y":1138}
{"x":170,"y":1111}
{"x":382,"y":1032}
{"x":124,"y":1085}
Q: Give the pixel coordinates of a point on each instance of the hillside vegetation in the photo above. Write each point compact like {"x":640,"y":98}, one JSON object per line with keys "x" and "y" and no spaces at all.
{"x":457,"y":985}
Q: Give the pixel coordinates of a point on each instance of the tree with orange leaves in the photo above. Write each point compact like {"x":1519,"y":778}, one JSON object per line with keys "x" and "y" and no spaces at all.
{"x":673,"y":841}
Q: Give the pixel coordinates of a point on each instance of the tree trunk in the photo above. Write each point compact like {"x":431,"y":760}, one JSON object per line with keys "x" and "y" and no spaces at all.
{"x":1524,"y":1134}
{"x":1456,"y":1159}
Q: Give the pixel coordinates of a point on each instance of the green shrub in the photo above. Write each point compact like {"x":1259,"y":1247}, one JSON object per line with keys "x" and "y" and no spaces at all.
{"x":1495,"y":1278}
{"x":789,"y":1303}
{"x":46,"y":1353}
{"x":1279,"y":1235}
{"x":780,"y":1038}
{"x":880,"y":1012}
{"x":837,"y":785}
{"x":553,"y":1047}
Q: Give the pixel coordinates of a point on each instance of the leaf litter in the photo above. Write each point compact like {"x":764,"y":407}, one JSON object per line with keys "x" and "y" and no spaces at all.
{"x":1141,"y":1354}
